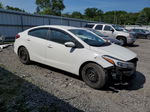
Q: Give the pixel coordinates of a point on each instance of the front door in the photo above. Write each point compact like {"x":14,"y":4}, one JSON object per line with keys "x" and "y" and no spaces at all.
{"x":57,"y":54}
{"x":108,"y":31}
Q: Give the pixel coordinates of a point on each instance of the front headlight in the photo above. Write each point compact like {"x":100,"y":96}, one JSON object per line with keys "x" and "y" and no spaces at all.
{"x":118,"y":63}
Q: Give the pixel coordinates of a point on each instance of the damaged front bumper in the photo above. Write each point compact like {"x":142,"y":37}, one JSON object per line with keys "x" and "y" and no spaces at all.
{"x":123,"y":75}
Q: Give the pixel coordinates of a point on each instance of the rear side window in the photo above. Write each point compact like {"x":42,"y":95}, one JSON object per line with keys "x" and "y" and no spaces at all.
{"x":107,"y":28}
{"x":89,"y":26}
{"x":99,"y":27}
{"x":60,"y":36}
{"x":40,"y":33}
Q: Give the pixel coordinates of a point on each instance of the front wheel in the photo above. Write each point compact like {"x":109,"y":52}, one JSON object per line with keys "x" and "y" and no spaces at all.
{"x":94,"y":76}
{"x":24,"y":55}
{"x":122,"y":40}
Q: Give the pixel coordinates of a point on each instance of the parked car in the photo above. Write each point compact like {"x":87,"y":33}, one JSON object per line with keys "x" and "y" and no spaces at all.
{"x":147,"y":31}
{"x":112,"y":40}
{"x":78,"y":51}
{"x":141,"y":33}
{"x":114,"y":31}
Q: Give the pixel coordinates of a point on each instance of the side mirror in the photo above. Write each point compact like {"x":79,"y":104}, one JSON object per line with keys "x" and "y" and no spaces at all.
{"x":70,"y":44}
{"x":112,"y":30}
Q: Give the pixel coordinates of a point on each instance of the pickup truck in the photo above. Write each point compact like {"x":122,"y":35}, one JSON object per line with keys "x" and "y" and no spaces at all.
{"x":114,"y":31}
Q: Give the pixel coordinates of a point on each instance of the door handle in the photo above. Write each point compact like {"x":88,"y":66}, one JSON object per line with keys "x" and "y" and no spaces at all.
{"x":49,"y":46}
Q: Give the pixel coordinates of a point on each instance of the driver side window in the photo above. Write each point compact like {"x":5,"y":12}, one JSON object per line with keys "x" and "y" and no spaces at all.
{"x":108,"y":28}
{"x":60,"y":36}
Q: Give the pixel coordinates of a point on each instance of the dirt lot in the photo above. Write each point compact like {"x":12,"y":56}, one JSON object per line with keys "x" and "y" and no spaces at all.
{"x":39,"y":88}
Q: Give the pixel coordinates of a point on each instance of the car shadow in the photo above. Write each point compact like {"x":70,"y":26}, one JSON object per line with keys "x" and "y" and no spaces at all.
{"x":133,"y":45}
{"x":19,"y":95}
{"x":135,"y":84}
{"x":57,"y":70}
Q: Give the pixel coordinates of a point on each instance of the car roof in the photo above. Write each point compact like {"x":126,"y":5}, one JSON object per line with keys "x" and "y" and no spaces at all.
{"x":99,"y":24}
{"x":57,"y":26}
{"x":137,"y":29}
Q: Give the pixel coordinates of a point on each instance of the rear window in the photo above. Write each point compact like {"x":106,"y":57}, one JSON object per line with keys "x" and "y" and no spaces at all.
{"x":40,"y":33}
{"x":89,"y":25}
{"x":99,"y":27}
{"x":107,"y":28}
{"x":60,"y":36}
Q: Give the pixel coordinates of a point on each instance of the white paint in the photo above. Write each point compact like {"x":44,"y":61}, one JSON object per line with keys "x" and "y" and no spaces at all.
{"x":67,"y":58}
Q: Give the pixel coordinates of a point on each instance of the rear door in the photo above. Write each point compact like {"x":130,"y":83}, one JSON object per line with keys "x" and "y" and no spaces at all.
{"x":37,"y":39}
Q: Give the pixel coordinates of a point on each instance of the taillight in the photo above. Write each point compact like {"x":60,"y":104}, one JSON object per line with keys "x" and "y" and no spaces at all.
{"x":17,"y":36}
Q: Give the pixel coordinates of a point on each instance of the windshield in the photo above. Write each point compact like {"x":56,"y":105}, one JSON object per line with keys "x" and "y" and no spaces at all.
{"x":118,"y":28}
{"x":138,"y":30}
{"x":98,"y":33}
{"x":143,"y":31}
{"x":88,"y":37}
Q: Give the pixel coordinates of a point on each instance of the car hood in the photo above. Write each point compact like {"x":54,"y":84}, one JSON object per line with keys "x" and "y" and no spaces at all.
{"x":116,"y":52}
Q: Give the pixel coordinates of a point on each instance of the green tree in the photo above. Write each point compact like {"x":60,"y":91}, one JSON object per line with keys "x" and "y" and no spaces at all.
{"x":37,"y":10}
{"x":66,"y":15}
{"x":14,"y":8}
{"x":1,"y":5}
{"x":109,"y":17}
{"x":93,"y":14}
{"x":115,"y":17}
{"x":144,"y":17}
{"x":77,"y":14}
{"x":131,"y":18}
{"x":50,"y":7}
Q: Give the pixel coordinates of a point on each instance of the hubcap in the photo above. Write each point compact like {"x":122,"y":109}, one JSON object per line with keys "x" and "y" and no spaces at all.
{"x":92,"y":74}
{"x":23,"y":55}
{"x":121,"y":41}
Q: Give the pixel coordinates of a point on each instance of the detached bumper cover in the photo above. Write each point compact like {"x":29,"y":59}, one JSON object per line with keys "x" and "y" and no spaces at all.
{"x":124,"y":74}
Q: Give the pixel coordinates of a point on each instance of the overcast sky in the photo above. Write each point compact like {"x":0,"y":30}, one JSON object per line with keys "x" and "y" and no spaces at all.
{"x":81,"y":5}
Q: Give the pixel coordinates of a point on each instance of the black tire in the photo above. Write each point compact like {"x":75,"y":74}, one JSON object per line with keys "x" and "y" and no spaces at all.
{"x":122,"y":40}
{"x":94,"y":76}
{"x":148,"y":37}
{"x":24,"y":55}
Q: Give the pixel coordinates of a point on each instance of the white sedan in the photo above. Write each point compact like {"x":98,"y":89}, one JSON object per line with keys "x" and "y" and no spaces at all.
{"x":78,"y":51}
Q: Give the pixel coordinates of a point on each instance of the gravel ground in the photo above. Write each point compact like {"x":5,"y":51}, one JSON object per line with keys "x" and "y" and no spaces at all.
{"x":44,"y":89}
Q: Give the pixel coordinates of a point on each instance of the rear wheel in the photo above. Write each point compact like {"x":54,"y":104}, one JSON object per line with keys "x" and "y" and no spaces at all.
{"x":148,"y":37}
{"x":94,"y":76}
{"x":24,"y":55}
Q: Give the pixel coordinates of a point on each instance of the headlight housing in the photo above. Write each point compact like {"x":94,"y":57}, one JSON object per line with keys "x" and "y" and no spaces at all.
{"x":118,"y":63}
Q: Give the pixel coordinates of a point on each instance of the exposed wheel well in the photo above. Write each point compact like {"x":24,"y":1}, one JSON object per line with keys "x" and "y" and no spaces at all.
{"x":121,"y":37}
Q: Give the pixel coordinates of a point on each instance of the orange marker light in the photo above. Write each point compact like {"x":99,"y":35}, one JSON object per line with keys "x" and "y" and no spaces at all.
{"x":109,"y":60}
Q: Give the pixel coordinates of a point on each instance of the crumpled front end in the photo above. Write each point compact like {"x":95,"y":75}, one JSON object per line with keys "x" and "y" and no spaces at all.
{"x":124,"y":74}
